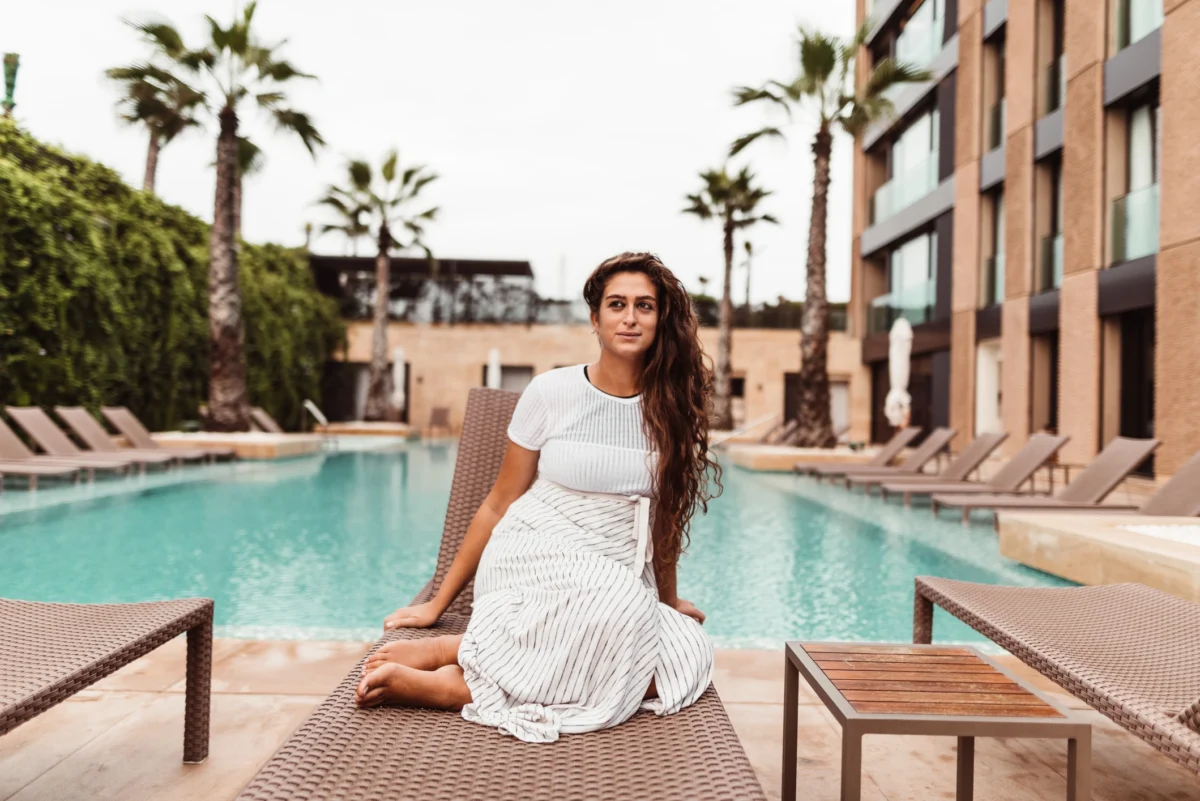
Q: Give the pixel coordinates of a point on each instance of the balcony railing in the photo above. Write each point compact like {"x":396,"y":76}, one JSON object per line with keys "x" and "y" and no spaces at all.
{"x":921,"y":40}
{"x":1135,"y":225}
{"x":905,"y":189}
{"x":1050,"y":265}
{"x":996,"y":120}
{"x":915,"y":303}
{"x":993,"y":280}
{"x":1136,"y":19}
{"x":1054,"y":85}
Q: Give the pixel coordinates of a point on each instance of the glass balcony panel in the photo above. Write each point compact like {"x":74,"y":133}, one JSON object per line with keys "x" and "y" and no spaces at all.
{"x":1135,"y":225}
{"x":915,"y":303}
{"x":1136,"y":19}
{"x":905,"y":189}
{"x":921,"y":39}
{"x":1050,"y":265}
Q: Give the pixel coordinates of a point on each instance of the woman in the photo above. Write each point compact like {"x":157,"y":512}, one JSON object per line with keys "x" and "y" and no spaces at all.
{"x":576,"y":623}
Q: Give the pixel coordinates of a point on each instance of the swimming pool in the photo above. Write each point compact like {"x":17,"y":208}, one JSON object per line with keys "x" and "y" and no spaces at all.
{"x":324,"y":547}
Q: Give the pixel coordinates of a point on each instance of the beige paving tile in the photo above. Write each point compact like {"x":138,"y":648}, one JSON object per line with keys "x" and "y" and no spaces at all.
{"x":282,"y":668}
{"x":754,"y":677}
{"x":38,"y":745}
{"x":161,"y":668}
{"x":1124,"y":768}
{"x":139,"y":757}
{"x":818,"y":772}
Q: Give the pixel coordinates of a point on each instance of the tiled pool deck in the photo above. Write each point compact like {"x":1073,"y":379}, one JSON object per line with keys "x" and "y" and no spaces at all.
{"x":122,"y":739}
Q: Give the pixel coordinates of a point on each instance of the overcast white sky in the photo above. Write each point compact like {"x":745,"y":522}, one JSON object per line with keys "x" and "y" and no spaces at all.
{"x":564,"y":132}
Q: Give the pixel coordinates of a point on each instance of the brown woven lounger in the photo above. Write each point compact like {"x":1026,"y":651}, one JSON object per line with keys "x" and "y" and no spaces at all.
{"x":264,"y":422}
{"x":345,"y":752}
{"x":1131,"y":652}
{"x":1088,"y":489}
{"x":959,"y":468}
{"x":1008,"y":479}
{"x":884,"y":457}
{"x":49,"y":652}
{"x":139,"y":436}
{"x":95,"y":437}
{"x":14,"y":451}
{"x":33,"y":472}
{"x":912,"y":465}
{"x":50,"y":438}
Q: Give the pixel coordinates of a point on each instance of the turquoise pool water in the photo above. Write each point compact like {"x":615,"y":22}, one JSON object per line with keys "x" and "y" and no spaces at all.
{"x":323,"y":548}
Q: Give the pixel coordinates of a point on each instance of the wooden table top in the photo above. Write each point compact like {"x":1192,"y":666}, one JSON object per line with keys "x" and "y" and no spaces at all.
{"x":923,"y":680}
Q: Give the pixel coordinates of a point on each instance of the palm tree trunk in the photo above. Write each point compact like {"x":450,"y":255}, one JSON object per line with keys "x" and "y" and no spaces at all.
{"x":377,"y":394}
{"x":227,"y":406}
{"x":151,"y":162}
{"x":237,"y":205}
{"x":723,"y":380}
{"x":815,"y":424}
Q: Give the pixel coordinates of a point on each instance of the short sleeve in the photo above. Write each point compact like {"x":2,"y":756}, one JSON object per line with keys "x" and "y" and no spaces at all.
{"x":530,"y":422}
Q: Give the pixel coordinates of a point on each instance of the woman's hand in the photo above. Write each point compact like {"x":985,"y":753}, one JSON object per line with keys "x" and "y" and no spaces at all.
{"x":420,"y":616}
{"x":688,"y":608}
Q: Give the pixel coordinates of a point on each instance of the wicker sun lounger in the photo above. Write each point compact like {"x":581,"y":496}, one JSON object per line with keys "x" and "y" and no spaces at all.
{"x":1131,"y":652}
{"x":50,"y":651}
{"x":1008,"y":479}
{"x":32,"y":472}
{"x":345,"y":752}
{"x":138,"y":435}
{"x":1090,"y":487}
{"x":264,"y":422}
{"x":15,"y":452}
{"x":883,"y":458}
{"x":50,"y":438}
{"x":912,"y":465}
{"x":958,"y":469}
{"x":95,"y":437}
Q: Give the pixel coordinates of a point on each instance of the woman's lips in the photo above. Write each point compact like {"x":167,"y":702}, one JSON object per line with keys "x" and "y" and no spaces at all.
{"x":628,"y":335}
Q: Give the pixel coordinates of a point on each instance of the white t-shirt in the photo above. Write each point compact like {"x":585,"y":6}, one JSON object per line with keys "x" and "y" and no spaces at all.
{"x":590,"y":441}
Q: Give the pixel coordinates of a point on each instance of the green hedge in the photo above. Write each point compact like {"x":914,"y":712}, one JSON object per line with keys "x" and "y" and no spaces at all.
{"x":103,"y":297}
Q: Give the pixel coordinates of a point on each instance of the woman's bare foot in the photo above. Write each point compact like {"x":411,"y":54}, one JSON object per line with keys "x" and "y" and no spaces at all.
{"x":428,"y":653}
{"x":391,"y":683}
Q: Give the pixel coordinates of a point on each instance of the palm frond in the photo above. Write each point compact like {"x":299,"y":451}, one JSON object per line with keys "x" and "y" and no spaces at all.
{"x":742,"y":142}
{"x":819,"y":58}
{"x":217,"y":35}
{"x":360,"y":175}
{"x":301,"y":124}
{"x":388,"y":170}
{"x":250,"y":159}
{"x":269,"y":100}
{"x":162,"y":35}
{"x":420,"y":183}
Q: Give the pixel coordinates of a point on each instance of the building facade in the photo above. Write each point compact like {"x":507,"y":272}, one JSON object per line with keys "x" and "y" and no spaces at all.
{"x":1034,"y":211}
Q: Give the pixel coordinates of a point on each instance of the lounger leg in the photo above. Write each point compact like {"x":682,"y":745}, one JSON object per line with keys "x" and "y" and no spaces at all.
{"x":922,"y":619}
{"x":965,"y":790}
{"x":851,"y":764}
{"x":198,"y":687}
{"x":934,"y":507}
{"x":33,"y":482}
{"x":882,"y":493}
{"x":966,"y":516}
{"x":791,"y":709}
{"x":1079,"y":767}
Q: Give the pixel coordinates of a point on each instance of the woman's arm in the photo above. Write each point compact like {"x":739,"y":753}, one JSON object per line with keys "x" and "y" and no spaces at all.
{"x":669,"y":595}
{"x":517,"y":472}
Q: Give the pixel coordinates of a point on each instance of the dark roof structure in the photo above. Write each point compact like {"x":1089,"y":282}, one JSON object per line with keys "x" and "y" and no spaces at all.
{"x":412,"y":266}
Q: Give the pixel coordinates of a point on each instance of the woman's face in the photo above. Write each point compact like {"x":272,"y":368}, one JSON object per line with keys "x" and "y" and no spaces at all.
{"x":628,"y":317}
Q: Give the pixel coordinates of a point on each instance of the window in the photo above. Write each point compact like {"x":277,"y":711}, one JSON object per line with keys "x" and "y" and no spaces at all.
{"x":992,"y":288}
{"x":996,"y":112}
{"x":513,"y":378}
{"x":988,"y":362}
{"x":1054,"y":75}
{"x":1050,"y":255}
{"x":920,"y":40}
{"x":1136,"y":19}
{"x":1135,"y":215}
{"x":912,"y":167}
{"x":912,"y":284}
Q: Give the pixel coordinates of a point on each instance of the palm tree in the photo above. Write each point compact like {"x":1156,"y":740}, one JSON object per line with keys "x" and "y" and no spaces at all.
{"x":364,"y":204}
{"x":233,"y":69}
{"x":733,"y":200}
{"x":156,"y":98}
{"x":826,"y":79}
{"x":250,"y":161}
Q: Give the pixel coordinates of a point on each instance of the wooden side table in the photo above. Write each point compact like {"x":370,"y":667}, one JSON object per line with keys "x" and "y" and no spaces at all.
{"x":924,"y":689}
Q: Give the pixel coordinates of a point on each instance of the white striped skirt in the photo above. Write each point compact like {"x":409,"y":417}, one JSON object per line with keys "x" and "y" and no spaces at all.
{"x":567,"y":630}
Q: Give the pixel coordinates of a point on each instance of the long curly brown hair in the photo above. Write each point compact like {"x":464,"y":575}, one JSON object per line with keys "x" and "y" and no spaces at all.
{"x":676,"y":389}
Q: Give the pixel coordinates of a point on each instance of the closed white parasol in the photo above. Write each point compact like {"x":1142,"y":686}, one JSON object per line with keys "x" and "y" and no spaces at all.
{"x":899,"y":403}
{"x":398,"y":377}
{"x":493,"y":369}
